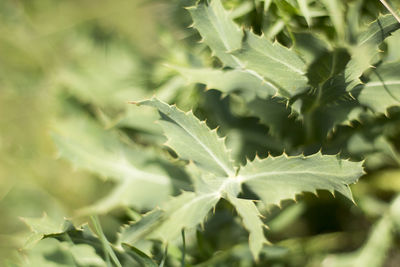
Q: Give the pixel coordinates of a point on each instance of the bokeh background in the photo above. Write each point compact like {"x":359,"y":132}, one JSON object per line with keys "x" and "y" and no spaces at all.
{"x":47,"y":49}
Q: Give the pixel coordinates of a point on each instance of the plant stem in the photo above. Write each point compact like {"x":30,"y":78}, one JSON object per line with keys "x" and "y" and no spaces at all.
{"x":388,"y":7}
{"x":183,"y":248}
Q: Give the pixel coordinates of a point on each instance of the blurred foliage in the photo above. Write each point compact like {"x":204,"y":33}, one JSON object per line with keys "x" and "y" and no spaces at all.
{"x":68,"y":70}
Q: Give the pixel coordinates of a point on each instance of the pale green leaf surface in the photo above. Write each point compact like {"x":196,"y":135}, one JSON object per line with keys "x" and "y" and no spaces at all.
{"x":138,"y":229}
{"x":383,"y":89}
{"x":91,"y":148}
{"x":366,"y":50}
{"x":85,"y":255}
{"x":218,"y":30}
{"x":192,"y":139}
{"x":139,"y":256}
{"x":182,"y":212}
{"x":42,"y":226}
{"x":185,"y":211}
{"x":223,"y":36}
{"x":228,"y":81}
{"x":305,"y":11}
{"x":272,"y":179}
{"x":276,"y":178}
{"x":336,"y":13}
{"x":104,"y":79}
{"x":274,"y":62}
{"x":393,"y":47}
{"x":250,"y":215}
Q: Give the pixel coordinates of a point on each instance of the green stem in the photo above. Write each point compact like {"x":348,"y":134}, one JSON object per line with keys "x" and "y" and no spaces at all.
{"x":109,"y":253}
{"x":183,"y":248}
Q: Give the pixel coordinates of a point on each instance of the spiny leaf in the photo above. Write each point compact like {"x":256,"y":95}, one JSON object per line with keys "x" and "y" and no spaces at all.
{"x":192,"y":139}
{"x":43,"y":226}
{"x":305,"y":10}
{"x":250,"y":215}
{"x":228,"y":81}
{"x":274,"y":62}
{"x":89,"y":147}
{"x":139,"y":256}
{"x":185,"y":211}
{"x":272,"y":179}
{"x":276,"y":178}
{"x":366,"y":49}
{"x":383,"y":89}
{"x":335,"y":10}
{"x":275,"y":114}
{"x":137,"y":230}
{"x":218,"y":30}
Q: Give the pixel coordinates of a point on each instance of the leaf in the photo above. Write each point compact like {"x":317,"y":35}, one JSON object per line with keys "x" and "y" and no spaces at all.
{"x":137,"y":230}
{"x":43,"y":226}
{"x":276,"y":178}
{"x":85,"y":255}
{"x":383,"y":89}
{"x":228,"y":81}
{"x":275,"y":114}
{"x":327,"y":65}
{"x":335,"y":10}
{"x":366,"y":49}
{"x":218,"y":30}
{"x":103,"y":79}
{"x":89,"y":147}
{"x":375,"y":250}
{"x":392,"y":43}
{"x":305,"y":10}
{"x":274,"y":62}
{"x":184,"y":212}
{"x":250,"y":215}
{"x":80,"y":245}
{"x":192,"y":139}
{"x":272,"y":179}
{"x":139,"y":256}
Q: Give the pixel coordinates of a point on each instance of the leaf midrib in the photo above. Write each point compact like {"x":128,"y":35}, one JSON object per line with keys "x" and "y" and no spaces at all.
{"x":225,"y":168}
{"x":245,"y":178}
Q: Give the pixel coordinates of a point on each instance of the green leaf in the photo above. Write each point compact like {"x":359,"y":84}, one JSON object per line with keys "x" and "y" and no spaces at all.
{"x":228,"y":81}
{"x":305,"y":10}
{"x":218,"y":30}
{"x":192,"y":139}
{"x":250,"y":215}
{"x":393,"y":51}
{"x":272,"y":179}
{"x":383,"y":89}
{"x":43,"y":226}
{"x":90,"y":147}
{"x":274,"y":63}
{"x":271,"y":64}
{"x":184,"y":212}
{"x":367,"y":48}
{"x":276,"y":178}
{"x":139,"y":229}
{"x":139,"y":256}
{"x":104,"y":79}
{"x":85,"y":255}
{"x":336,"y":13}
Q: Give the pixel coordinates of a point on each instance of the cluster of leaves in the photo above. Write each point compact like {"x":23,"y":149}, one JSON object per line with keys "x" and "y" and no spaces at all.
{"x":310,"y":80}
